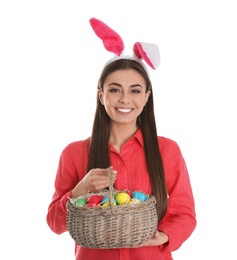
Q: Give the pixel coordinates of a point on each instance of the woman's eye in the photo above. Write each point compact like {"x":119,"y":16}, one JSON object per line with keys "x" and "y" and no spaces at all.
{"x":114,"y":90}
{"x":136,"y":91}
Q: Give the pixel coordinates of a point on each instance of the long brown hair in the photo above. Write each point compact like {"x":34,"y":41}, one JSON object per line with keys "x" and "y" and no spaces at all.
{"x":99,"y":154}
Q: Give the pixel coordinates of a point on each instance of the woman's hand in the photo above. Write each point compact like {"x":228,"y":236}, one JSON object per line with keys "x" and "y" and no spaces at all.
{"x":94,"y":181}
{"x":158,"y":239}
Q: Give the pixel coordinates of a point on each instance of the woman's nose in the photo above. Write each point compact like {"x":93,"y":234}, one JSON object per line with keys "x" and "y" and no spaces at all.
{"x":124,"y":98}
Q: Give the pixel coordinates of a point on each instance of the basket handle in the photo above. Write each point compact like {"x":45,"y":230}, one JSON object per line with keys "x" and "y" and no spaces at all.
{"x":111,"y":189}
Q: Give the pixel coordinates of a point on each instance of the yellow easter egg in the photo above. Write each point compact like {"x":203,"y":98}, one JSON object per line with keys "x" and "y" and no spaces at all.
{"x":122,"y":198}
{"x":106,"y":204}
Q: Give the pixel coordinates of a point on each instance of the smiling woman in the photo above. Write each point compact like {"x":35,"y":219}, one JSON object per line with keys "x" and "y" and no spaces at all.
{"x":124,"y":138}
{"x":50,"y":61}
{"x":123,"y":96}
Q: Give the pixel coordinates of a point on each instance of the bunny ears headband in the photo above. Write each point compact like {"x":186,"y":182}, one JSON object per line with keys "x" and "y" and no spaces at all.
{"x":113,"y":42}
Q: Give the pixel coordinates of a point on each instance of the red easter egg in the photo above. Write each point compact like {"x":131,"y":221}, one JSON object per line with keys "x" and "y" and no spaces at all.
{"x":91,"y":205}
{"x":95,"y":199}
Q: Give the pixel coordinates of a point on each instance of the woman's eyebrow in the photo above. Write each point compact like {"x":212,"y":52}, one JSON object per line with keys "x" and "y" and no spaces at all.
{"x":136,"y":85}
{"x":119,"y":85}
{"x":114,"y":83}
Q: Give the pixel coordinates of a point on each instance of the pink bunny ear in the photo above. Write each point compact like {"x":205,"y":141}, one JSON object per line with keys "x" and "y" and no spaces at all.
{"x":149,"y":52}
{"x":111,"y":40}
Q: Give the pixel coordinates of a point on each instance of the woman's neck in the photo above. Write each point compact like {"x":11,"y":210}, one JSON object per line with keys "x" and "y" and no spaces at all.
{"x":119,"y":134}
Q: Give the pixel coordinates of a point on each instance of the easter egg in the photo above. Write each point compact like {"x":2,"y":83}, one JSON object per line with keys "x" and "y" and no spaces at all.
{"x":106,"y":204}
{"x":96,"y":199}
{"x":122,"y":198}
{"x":91,"y":205}
{"x":105,"y":199}
{"x":81,"y":202}
{"x":139,"y":195}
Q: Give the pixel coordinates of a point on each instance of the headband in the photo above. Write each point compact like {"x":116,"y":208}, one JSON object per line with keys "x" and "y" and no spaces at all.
{"x":113,"y":42}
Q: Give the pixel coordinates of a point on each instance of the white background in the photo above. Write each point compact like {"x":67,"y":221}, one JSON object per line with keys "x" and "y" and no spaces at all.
{"x":50,"y":60}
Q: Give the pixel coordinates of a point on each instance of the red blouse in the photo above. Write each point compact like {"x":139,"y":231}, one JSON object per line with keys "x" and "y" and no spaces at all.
{"x":180,"y":219}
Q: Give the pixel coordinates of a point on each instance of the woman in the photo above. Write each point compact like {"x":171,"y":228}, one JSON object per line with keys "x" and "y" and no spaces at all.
{"x":124,"y":136}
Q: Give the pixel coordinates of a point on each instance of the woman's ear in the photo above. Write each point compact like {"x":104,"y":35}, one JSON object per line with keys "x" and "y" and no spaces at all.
{"x":100,"y":96}
{"x":147,"y":96}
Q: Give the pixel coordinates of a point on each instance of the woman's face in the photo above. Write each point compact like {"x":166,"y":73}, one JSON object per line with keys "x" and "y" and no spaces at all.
{"x":124,"y":96}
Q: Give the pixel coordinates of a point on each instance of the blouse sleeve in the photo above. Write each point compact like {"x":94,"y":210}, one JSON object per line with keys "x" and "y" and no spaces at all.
{"x":180,"y":219}
{"x":65,"y":181}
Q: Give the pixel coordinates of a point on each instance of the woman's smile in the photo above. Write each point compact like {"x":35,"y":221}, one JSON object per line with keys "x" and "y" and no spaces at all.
{"x":124,"y":110}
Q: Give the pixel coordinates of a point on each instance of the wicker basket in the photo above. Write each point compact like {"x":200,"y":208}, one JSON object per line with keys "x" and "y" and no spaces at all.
{"x":119,"y":226}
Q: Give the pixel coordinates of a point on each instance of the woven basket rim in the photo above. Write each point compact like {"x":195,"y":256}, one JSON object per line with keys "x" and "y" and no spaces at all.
{"x":71,"y":205}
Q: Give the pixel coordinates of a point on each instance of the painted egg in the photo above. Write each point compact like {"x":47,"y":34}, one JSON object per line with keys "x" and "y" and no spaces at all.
{"x":81,"y":202}
{"x":139,"y":195}
{"x":105,"y":199}
{"x":91,"y":205}
{"x":106,"y":204}
{"x":95,"y":199}
{"x":122,"y":198}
